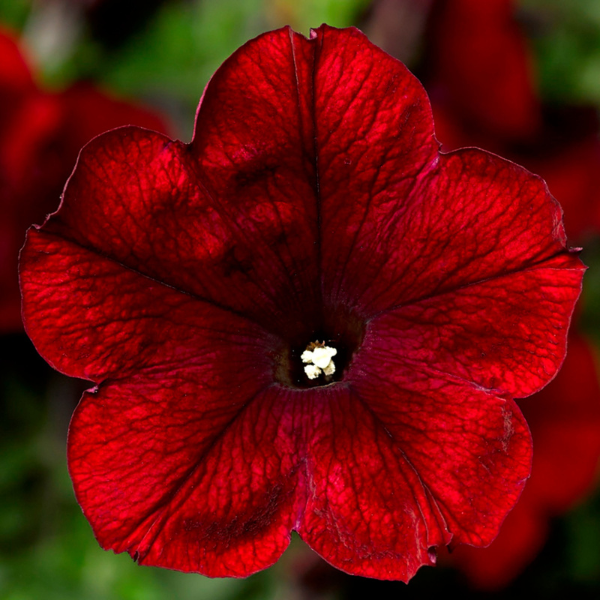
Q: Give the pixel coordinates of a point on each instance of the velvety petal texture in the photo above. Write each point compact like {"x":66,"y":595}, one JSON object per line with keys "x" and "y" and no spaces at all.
{"x":312,"y":205}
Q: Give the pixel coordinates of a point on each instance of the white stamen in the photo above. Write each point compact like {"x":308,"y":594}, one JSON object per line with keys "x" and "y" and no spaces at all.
{"x":320,"y":357}
{"x":312,"y":372}
{"x":307,"y":356}
{"x":329,"y":369}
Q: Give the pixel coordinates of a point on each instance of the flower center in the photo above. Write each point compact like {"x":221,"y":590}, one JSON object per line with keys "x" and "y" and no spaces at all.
{"x":319,"y":359}
{"x":319,"y":352}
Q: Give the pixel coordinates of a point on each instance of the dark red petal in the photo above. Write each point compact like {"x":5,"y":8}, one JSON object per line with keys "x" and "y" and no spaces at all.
{"x":186,"y":474}
{"x":254,"y":143}
{"x":481,"y":68}
{"x":169,"y":457}
{"x":139,"y":198}
{"x":99,"y":319}
{"x":471,"y":448}
{"x":504,"y":333}
{"x":368,"y":511}
{"x":470,"y":216}
{"x":374,"y":142}
{"x":339,"y":135}
{"x":565,"y":424}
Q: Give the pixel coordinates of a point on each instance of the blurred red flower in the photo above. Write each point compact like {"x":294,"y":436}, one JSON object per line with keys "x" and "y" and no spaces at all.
{"x":483,"y":92}
{"x":481,"y":72}
{"x":41,"y":134}
{"x":481,"y":82}
{"x":311,"y":220}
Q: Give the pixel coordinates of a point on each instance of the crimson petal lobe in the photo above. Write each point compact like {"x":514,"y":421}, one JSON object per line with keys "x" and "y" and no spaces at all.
{"x":101,"y":320}
{"x":471,"y":448}
{"x":472,"y":216}
{"x":504,"y":333}
{"x":185,"y":476}
{"x":368,"y":512}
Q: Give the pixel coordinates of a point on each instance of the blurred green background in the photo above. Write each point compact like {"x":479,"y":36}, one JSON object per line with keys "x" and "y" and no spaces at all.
{"x":163,"y":53}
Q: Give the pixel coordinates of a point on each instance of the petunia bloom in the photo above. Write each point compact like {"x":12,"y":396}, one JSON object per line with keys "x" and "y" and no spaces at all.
{"x":41,"y":134}
{"x":311,"y":210}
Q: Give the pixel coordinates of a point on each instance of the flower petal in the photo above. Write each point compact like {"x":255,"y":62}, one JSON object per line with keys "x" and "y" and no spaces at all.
{"x":505,"y":333}
{"x":98,"y":319}
{"x":471,"y":448}
{"x":172,"y":451}
{"x":472,"y":217}
{"x":374,"y":139}
{"x":187,"y":476}
{"x":333,"y":139}
{"x":137,"y":197}
{"x":398,"y":220}
{"x":368,"y":512}
{"x":254,"y":145}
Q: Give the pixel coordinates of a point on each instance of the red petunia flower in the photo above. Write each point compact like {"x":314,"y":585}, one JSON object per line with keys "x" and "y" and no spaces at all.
{"x":563,"y":146}
{"x":307,"y":319}
{"x":40,"y":136}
